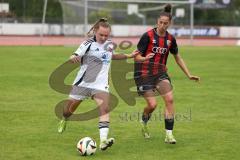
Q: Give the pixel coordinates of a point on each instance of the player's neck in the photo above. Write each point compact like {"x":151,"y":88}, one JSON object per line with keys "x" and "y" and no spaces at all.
{"x":161,"y":33}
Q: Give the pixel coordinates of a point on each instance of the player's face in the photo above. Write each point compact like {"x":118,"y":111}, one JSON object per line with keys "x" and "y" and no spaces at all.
{"x":163,"y":23}
{"x":102,"y":34}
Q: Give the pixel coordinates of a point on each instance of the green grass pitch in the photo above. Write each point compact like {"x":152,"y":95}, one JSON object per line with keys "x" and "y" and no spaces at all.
{"x":207,"y":127}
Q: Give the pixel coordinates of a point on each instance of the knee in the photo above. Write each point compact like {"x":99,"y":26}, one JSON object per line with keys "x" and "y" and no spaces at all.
{"x":169,"y":101}
{"x":152,"y":105}
{"x":104,"y":110}
{"x":70,"y":107}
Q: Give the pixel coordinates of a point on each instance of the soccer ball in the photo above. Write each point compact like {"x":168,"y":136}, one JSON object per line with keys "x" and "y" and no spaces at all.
{"x":86,"y":146}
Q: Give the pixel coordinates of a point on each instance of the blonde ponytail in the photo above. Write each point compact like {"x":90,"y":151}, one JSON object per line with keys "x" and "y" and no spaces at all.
{"x":101,"y":22}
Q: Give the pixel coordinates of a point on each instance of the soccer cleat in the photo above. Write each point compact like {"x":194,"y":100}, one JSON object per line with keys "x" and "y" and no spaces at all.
{"x":106,"y":143}
{"x":145,"y":132}
{"x":170,"y":139}
{"x":62,"y":126}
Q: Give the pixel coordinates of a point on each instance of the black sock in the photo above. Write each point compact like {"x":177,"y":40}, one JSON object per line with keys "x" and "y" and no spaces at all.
{"x":169,"y":124}
{"x":145,"y":119}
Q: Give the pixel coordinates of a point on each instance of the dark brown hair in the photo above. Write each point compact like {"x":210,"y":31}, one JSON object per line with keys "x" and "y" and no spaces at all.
{"x":167,"y":11}
{"x":103,"y":22}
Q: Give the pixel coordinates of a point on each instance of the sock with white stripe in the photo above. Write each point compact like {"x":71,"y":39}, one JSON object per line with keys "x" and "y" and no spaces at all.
{"x":103,"y":130}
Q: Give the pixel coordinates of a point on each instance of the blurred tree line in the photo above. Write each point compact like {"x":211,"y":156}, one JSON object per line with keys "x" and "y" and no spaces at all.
{"x":229,"y":16}
{"x":31,"y":11}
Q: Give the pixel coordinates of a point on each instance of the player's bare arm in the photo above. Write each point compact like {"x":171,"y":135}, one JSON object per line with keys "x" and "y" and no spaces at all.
{"x":184,"y":68}
{"x":120,"y":56}
{"x":140,"y":58}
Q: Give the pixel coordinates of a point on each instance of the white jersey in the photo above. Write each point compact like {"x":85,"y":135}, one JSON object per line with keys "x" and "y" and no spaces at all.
{"x":95,"y":64}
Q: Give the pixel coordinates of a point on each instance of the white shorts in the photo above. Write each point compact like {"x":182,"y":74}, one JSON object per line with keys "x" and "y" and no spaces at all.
{"x":81,"y":93}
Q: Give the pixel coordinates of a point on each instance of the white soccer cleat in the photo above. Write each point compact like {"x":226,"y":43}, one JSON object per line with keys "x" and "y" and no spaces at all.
{"x":170,"y":139}
{"x":145,"y":132}
{"x":106,"y":143}
{"x":62,"y":126}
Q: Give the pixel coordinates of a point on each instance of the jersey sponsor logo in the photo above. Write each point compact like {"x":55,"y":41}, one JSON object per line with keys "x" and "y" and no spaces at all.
{"x":159,"y":50}
{"x":105,"y":59}
{"x":104,"y":56}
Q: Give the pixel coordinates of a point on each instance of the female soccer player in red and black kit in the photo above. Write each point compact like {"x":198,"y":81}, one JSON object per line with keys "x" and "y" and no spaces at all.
{"x":150,"y":73}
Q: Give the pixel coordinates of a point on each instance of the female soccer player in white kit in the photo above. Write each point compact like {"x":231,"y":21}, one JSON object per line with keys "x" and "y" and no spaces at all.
{"x":95,"y":55}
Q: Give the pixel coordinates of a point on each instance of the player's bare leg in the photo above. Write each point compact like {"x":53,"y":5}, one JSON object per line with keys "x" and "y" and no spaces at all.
{"x":149,"y":96}
{"x":102,"y":100}
{"x":165,"y":89}
{"x":68,"y":110}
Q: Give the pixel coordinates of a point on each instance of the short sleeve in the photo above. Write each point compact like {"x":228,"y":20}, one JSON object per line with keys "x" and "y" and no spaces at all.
{"x":82,"y":49}
{"x":174,"y":46}
{"x":143,"y":43}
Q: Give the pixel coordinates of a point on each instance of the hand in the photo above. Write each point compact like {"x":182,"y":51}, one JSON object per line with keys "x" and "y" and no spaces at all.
{"x":149,"y":56}
{"x":194,"y":78}
{"x":75,"y":59}
{"x":134,"y":53}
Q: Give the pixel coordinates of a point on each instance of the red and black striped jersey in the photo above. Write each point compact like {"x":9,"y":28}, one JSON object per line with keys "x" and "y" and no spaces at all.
{"x":151,"y":42}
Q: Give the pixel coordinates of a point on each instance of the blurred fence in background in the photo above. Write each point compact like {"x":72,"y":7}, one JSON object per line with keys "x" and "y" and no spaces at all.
{"x":129,"y":18}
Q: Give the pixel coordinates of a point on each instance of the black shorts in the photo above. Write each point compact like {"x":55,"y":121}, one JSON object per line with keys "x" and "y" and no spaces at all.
{"x":149,"y":83}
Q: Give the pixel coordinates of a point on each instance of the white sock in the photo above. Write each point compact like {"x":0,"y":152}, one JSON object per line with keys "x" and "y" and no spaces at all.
{"x":169,"y":132}
{"x":103,"y":134}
